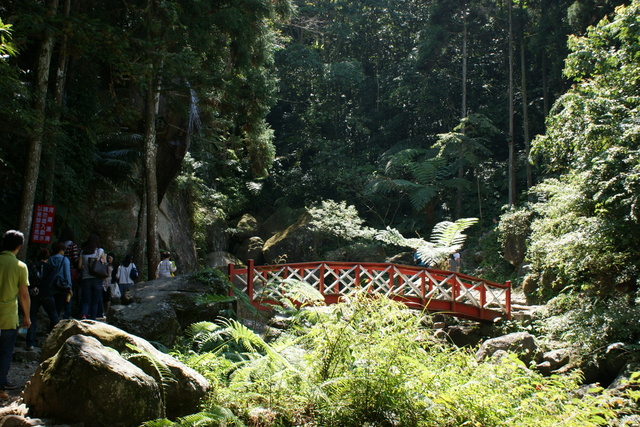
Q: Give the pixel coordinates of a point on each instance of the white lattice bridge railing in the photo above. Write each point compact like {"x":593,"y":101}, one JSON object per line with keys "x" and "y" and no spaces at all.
{"x":421,"y":288}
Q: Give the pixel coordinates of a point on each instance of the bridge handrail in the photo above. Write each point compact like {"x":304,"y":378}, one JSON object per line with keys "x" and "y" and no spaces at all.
{"x":436,"y":290}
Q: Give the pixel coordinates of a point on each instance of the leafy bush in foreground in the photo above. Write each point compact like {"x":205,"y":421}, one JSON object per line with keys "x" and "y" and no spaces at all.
{"x":370,"y":362}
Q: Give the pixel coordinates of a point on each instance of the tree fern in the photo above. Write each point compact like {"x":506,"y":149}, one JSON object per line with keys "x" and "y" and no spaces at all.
{"x":216,"y":416}
{"x":446,"y":238}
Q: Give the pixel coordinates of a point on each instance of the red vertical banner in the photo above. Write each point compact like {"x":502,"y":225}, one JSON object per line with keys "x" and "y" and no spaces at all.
{"x":42,"y":229}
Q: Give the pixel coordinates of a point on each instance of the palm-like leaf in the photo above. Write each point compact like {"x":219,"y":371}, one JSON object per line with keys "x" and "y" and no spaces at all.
{"x":446,"y":238}
{"x":448,"y":233}
{"x":427,"y":171}
{"x":421,"y":196}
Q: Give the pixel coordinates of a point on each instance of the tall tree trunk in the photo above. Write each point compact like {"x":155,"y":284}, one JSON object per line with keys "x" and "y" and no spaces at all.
{"x":139,"y":249}
{"x":525,"y":107}
{"x":152,"y":105}
{"x":512,"y":155}
{"x":58,"y":96}
{"x":545,"y":85}
{"x":464,"y":104}
{"x":32,"y":166}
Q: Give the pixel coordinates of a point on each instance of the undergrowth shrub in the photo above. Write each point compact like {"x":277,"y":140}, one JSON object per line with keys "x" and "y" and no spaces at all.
{"x":573,"y":318}
{"x":370,"y":361}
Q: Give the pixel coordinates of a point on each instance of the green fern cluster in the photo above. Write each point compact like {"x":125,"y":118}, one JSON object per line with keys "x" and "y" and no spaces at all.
{"x":446,"y":238}
{"x":369,"y":361}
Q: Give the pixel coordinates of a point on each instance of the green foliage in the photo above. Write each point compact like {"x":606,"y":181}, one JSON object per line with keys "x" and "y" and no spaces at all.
{"x":370,"y":361}
{"x":154,"y":367}
{"x":574,"y":318}
{"x":446,"y":238}
{"x":6,"y":46}
{"x":215,"y":279}
{"x":488,"y":261}
{"x":575,"y":244}
{"x":587,"y":214}
{"x":215,"y":417}
{"x":338,"y":220}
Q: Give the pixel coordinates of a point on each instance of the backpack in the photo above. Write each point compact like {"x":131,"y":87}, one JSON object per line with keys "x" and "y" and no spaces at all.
{"x":58,"y":281}
{"x":133,"y":274}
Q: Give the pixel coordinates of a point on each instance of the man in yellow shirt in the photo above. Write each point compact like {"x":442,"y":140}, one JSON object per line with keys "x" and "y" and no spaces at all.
{"x":14,"y":280}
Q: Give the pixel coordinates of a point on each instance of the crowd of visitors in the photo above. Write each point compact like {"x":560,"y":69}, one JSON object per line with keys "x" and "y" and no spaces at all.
{"x":67,"y":281}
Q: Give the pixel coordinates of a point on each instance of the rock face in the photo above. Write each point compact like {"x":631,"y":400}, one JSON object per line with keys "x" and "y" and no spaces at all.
{"x":85,"y":378}
{"x":521,"y":343}
{"x":87,"y":382}
{"x":296,"y":242}
{"x":163,"y":307}
{"x":553,"y":360}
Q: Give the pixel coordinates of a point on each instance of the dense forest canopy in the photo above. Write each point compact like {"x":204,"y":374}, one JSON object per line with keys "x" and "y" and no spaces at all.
{"x":376,"y":121}
{"x":412,"y":111}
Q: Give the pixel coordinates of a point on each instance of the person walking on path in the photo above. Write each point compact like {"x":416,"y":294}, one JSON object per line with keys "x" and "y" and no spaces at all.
{"x":14,"y":283}
{"x":91,"y":286}
{"x":166,"y":267}
{"x":126,"y":276}
{"x":41,"y":293}
{"x":73,"y":300}
{"x":63,"y":292}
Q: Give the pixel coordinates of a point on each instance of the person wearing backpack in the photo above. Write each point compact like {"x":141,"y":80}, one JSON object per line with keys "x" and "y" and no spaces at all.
{"x":63,"y":280}
{"x":127,"y":276}
{"x":93,"y":260}
{"x":41,"y":292}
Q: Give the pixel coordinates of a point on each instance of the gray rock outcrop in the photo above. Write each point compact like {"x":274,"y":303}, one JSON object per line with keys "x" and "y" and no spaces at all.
{"x":163,"y":307}
{"x":69,"y":358}
{"x":87,"y":382}
{"x":521,"y":343}
{"x":553,"y":360}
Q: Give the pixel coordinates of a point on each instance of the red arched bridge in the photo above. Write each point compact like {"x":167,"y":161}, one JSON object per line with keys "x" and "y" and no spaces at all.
{"x":418,"y":287}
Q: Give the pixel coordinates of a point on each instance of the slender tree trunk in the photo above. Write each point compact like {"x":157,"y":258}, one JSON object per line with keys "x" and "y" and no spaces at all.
{"x":464,"y":105}
{"x":545,"y":85}
{"x":512,"y":156}
{"x":525,"y":107}
{"x":58,"y":97}
{"x":140,"y":244}
{"x":152,"y":104}
{"x":32,"y":166}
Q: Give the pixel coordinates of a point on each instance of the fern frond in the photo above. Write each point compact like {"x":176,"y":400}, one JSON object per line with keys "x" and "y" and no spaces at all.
{"x":243,"y":298}
{"x":394,"y":237}
{"x":163,"y":422}
{"x":215,"y":416}
{"x":302,"y":292}
{"x":448,"y":233}
{"x":426,"y":172}
{"x":383,"y":185}
{"x":161,"y":371}
{"x":420,"y":197}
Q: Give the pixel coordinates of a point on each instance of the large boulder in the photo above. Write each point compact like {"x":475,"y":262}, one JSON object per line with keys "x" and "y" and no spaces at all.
{"x":251,"y":248}
{"x":90,"y":383}
{"x":246,"y":227}
{"x":154,"y":322}
{"x":182,"y":395}
{"x":296,"y":242}
{"x":162,"y":308}
{"x":554,"y":360}
{"x":521,"y":343}
{"x":220,"y":260}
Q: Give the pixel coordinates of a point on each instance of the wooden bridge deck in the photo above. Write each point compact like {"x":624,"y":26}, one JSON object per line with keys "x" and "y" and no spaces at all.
{"x":421,"y":288}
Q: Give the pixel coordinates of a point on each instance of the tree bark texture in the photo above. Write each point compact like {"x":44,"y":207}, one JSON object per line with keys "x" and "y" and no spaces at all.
{"x":512,"y":155}
{"x":32,"y":165}
{"x":150,"y":149}
{"x":525,"y":107}
{"x":58,"y":97}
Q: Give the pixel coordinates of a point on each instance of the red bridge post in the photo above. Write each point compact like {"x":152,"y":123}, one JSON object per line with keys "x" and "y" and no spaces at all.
{"x":507,"y":303}
{"x":250,"y":274}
